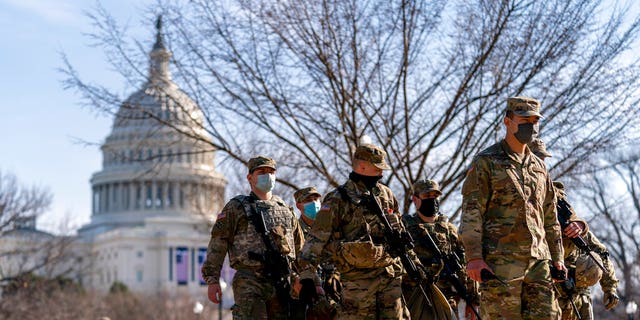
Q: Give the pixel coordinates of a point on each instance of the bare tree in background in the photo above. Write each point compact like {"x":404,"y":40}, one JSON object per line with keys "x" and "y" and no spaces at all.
{"x":427,"y":79}
{"x":23,"y":249}
{"x":19,"y":205}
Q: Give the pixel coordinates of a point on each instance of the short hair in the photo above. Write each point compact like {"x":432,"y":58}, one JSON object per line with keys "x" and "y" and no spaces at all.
{"x":509,"y":114}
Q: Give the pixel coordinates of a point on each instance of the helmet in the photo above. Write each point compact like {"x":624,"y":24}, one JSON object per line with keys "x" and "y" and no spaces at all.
{"x":588,"y":273}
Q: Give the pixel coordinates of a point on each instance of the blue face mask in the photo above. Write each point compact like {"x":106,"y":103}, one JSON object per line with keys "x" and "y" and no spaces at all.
{"x":266,"y":182}
{"x":311,"y":209}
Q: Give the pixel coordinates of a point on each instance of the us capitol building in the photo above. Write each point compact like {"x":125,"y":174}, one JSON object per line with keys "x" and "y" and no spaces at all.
{"x":154,"y":199}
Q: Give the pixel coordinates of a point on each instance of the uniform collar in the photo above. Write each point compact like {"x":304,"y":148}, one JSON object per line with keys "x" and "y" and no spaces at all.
{"x":514,"y":156}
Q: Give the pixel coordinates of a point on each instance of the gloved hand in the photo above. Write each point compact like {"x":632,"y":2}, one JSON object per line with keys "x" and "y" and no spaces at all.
{"x":610,"y":299}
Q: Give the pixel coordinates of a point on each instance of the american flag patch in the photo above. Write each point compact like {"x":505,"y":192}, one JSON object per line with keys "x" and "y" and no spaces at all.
{"x":325,"y":207}
{"x":221,"y":215}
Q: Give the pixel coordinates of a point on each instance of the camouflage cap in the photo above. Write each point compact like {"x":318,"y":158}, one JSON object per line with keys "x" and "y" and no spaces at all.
{"x":424,"y":186}
{"x":373,"y":154}
{"x":524,"y":106}
{"x":538,"y":148}
{"x":259,"y":162}
{"x":303,"y":193}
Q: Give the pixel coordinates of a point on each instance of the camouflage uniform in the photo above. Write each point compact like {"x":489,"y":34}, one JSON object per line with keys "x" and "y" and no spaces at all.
{"x":353,"y":236}
{"x":509,"y":221}
{"x":445,"y":236}
{"x":584,"y":272}
{"x":325,"y":276}
{"x":235,"y":234}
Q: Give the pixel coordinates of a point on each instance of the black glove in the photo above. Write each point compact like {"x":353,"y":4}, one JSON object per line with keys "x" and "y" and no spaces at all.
{"x":308,"y":292}
{"x":558,"y":274}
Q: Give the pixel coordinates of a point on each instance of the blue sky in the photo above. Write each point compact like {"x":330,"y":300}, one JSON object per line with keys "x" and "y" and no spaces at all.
{"x":40,"y":122}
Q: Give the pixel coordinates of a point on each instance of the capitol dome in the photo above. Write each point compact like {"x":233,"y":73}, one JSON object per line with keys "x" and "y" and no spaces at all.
{"x":158,"y":160}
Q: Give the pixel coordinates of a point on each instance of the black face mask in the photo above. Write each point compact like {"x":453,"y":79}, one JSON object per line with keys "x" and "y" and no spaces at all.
{"x":369,"y":181}
{"x":429,"y":207}
{"x":526,"y":132}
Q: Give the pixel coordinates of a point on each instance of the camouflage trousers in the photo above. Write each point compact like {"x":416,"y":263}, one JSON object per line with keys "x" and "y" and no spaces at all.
{"x":583,"y":303}
{"x":528,"y":294}
{"x":379,"y":298}
{"x":255,"y":298}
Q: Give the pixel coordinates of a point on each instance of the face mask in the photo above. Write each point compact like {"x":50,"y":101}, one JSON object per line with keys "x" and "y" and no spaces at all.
{"x":526,"y":132}
{"x":266,"y":182}
{"x":311,"y":209}
{"x":369,"y":181}
{"x":429,"y":207}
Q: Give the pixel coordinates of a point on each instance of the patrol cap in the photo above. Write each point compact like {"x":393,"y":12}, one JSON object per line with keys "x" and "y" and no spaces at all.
{"x":304,"y":193}
{"x":426,"y":185}
{"x":538,"y":148}
{"x":260,"y":162}
{"x":372,"y":153}
{"x":524,"y":106}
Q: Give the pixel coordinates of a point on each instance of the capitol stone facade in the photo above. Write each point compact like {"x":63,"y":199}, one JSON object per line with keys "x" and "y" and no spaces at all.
{"x":154,"y":199}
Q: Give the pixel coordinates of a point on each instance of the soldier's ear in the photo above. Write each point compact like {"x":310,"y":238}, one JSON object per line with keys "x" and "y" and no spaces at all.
{"x":415,"y":199}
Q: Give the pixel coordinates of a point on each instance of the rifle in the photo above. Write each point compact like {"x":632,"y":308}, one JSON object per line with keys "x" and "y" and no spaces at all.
{"x":276,"y":265}
{"x":451,"y":266}
{"x":564,"y":214}
{"x":568,"y":287}
{"x":398,"y":244}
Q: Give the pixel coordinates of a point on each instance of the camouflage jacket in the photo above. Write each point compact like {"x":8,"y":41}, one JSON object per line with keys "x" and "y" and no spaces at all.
{"x":347,"y":231}
{"x":445,"y":236}
{"x":508,"y":208}
{"x":235,"y":234}
{"x":305,"y":227}
{"x":310,"y":272}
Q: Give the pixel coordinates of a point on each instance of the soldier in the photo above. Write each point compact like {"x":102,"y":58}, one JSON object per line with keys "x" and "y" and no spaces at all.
{"x":308,"y":202}
{"x":509,"y":227}
{"x":351,"y":233}
{"x":584,"y":271}
{"x":260,"y":295}
{"x":315,"y":299}
{"x":576,"y":227}
{"x":429,"y":220}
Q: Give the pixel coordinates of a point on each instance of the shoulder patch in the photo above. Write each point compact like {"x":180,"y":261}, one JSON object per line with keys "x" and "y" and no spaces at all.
{"x":325,"y":207}
{"x":221,"y":215}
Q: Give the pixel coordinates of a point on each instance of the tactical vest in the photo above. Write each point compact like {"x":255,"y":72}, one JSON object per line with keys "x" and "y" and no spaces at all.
{"x":439,"y":231}
{"x":246,"y":238}
{"x":362,"y":247}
